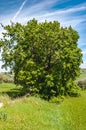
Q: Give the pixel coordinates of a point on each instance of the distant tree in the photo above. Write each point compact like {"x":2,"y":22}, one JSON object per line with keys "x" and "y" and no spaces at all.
{"x":43,"y":56}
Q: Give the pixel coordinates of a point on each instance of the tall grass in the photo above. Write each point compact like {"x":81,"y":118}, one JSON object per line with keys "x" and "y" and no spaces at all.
{"x":32,"y":113}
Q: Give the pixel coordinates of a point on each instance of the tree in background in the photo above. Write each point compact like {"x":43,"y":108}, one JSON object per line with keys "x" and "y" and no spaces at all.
{"x":43,"y":56}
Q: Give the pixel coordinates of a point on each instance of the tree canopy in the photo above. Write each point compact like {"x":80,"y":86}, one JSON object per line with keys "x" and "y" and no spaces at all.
{"x":43,"y":56}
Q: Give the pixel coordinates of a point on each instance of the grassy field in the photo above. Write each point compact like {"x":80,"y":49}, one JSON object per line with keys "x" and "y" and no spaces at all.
{"x":32,"y":113}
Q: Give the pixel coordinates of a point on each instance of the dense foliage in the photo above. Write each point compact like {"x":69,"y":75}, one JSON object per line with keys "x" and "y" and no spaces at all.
{"x":43,"y":56}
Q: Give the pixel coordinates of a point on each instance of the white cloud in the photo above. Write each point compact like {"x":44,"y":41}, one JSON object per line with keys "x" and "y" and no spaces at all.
{"x":66,"y":11}
{"x":84,"y":52}
{"x":19,"y":11}
{"x":1,"y":30}
{"x":41,"y":13}
{"x":83,"y":65}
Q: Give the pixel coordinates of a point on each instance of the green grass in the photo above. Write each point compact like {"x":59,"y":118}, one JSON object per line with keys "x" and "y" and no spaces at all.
{"x":32,"y":113}
{"x":11,"y":90}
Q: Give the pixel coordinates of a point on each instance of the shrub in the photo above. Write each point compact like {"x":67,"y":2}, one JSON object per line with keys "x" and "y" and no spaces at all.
{"x":3,"y":116}
{"x":82,"y":84}
{"x":6,"y":78}
{"x":74,"y":90}
{"x":56,"y":100}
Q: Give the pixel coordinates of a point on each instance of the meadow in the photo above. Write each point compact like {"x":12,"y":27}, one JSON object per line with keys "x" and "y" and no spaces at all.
{"x":33,"y":113}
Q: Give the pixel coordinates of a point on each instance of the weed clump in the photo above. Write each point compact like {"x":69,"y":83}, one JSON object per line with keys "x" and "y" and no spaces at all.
{"x":3,"y":116}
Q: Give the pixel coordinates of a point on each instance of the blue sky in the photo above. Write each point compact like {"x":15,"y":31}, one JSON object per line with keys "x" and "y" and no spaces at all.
{"x":67,"y":12}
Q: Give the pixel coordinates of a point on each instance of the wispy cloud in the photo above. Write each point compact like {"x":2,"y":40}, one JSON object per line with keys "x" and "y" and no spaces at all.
{"x":41,"y":12}
{"x":20,"y":9}
{"x":83,"y":65}
{"x":66,"y":11}
{"x":84,"y":52}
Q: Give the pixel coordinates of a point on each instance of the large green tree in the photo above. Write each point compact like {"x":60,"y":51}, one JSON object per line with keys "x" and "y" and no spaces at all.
{"x":43,"y":56}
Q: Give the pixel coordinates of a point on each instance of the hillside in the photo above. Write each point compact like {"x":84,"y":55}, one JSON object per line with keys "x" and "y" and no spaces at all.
{"x":82,"y":75}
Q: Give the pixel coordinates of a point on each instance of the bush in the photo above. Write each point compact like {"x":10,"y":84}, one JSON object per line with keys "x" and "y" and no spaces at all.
{"x":74,"y":89}
{"x":6,"y":78}
{"x":82,"y":84}
{"x":57,"y":100}
{"x":3,"y":116}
